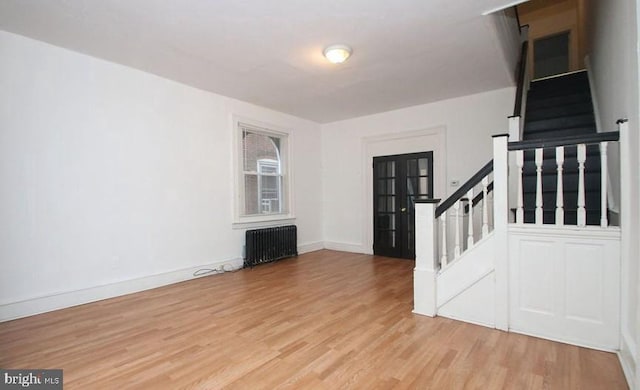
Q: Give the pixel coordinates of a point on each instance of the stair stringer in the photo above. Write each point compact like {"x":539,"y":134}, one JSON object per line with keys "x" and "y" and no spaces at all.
{"x":466,"y":287}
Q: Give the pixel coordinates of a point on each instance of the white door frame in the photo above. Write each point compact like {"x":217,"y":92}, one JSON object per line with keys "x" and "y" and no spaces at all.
{"x":430,"y":139}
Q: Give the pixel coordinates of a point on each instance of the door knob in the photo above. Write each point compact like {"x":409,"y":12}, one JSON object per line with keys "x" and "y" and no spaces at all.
{"x":403,"y":209}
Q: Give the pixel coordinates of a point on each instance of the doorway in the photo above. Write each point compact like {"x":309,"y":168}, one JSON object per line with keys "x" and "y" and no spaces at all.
{"x":398,"y":181}
{"x":551,"y":55}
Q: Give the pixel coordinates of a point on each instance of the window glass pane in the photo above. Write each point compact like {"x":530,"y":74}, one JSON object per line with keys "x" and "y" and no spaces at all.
{"x":251,"y":194}
{"x":258,"y":147}
{"x":269,"y":194}
{"x":391,"y":169}
{"x":262,"y":167}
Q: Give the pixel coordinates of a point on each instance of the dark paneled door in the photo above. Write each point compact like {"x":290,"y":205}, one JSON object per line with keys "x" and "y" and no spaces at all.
{"x":397,"y":182}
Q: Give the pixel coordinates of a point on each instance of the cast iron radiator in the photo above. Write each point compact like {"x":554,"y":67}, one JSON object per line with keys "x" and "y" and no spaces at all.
{"x":270,"y":244}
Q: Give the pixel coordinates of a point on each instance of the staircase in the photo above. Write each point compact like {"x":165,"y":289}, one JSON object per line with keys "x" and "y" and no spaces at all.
{"x":525,"y":245}
{"x":550,"y":269}
{"x":561,"y":107}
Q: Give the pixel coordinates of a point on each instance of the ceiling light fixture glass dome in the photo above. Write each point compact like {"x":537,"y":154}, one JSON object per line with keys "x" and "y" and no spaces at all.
{"x":337,"y":54}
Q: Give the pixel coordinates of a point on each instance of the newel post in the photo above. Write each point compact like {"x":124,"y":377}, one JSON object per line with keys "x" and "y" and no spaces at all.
{"x":514,"y":128}
{"x":501,"y":219}
{"x":427,"y":266}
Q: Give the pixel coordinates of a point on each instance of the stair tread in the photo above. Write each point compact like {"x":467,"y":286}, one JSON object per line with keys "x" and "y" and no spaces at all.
{"x":557,"y":133}
{"x":558,"y":100}
{"x":534,"y":114}
{"x":565,"y":121}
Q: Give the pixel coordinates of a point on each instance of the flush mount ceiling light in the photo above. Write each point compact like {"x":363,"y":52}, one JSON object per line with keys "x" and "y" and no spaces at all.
{"x":337,"y":54}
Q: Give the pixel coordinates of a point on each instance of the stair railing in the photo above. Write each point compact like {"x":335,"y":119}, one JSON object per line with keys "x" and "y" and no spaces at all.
{"x":458,"y":210}
{"x":439,"y":227}
{"x":516,"y":121}
{"x":555,"y":151}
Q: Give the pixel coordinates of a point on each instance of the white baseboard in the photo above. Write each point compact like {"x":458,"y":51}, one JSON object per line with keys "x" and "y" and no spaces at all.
{"x":473,"y":322}
{"x":344,"y":246}
{"x":310,"y":247}
{"x":627,"y":357}
{"x":577,"y":343}
{"x":61,"y":300}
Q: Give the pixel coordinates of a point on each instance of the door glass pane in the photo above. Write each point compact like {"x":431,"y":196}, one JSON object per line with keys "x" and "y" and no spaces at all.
{"x":412,"y":184}
{"x":412,"y":167}
{"x":385,"y":221}
{"x":394,"y":202}
{"x":423,"y":189}
{"x":391,"y":203}
{"x":391,"y":186}
{"x":422,"y":166}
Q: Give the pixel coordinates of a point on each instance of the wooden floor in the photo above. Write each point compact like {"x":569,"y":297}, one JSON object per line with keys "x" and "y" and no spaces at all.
{"x":325,"y":320}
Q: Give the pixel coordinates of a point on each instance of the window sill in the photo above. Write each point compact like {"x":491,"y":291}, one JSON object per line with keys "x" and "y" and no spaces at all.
{"x":260,"y":222}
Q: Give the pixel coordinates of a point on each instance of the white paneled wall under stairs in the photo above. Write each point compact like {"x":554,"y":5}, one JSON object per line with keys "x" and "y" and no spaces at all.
{"x":556,"y":276}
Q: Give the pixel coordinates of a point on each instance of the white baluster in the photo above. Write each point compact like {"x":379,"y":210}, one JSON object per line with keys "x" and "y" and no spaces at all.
{"x":443,"y":259}
{"x":582,"y":157}
{"x":470,"y":219}
{"x":603,"y":184}
{"x":520,"y":209}
{"x":456,"y":248}
{"x":539,"y":211}
{"x":560,"y":190}
{"x":485,"y":204}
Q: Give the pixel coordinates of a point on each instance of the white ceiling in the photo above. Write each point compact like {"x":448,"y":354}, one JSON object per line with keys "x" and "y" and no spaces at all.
{"x":405,"y":52}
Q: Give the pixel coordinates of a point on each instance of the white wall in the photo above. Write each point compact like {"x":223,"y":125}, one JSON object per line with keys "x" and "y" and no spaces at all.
{"x":614,"y":62}
{"x":109,"y":174}
{"x":467,"y":124}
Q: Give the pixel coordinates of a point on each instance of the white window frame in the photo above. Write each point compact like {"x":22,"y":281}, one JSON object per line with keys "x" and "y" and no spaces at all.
{"x":240,"y":220}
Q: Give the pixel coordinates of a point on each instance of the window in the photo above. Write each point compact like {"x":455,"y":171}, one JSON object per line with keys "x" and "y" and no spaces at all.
{"x":262,"y":174}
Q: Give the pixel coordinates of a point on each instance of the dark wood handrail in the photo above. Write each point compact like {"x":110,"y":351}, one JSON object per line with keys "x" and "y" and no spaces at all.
{"x":462,"y":191}
{"x":522,"y":68}
{"x":478,"y":198}
{"x":565,"y":141}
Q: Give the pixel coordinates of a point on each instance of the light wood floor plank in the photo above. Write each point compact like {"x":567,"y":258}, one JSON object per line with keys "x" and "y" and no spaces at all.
{"x":324,"y":320}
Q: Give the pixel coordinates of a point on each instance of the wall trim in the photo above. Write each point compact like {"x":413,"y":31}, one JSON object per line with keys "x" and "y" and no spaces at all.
{"x":627,"y":357}
{"x":594,"y":97}
{"x":310,"y":247}
{"x":474,"y":322}
{"x":65,"y":299}
{"x":345,"y":247}
{"x":577,"y":343}
{"x":368,"y":145}
{"x":611,"y":200}
{"x":568,"y":231}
